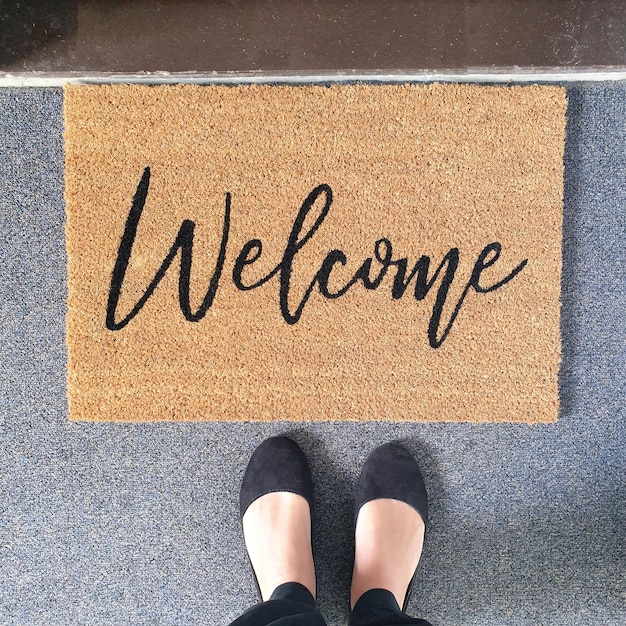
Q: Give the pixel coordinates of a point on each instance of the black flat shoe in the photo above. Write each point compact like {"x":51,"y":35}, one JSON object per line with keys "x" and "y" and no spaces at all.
{"x":390,"y":471}
{"x":278,"y":464}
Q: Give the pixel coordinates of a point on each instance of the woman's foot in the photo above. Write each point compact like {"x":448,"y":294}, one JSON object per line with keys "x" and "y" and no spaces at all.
{"x":391,"y":512}
{"x":275,"y":506}
{"x":389,"y":538}
{"x":277,"y":531}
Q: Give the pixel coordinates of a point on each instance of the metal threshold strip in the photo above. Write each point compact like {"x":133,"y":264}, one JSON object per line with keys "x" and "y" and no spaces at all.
{"x":473,"y":75}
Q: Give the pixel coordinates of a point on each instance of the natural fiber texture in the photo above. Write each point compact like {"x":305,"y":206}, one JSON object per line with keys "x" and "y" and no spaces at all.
{"x":427,"y":171}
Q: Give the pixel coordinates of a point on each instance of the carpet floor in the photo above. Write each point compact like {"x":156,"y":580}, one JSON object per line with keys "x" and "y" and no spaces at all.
{"x":138,"y":524}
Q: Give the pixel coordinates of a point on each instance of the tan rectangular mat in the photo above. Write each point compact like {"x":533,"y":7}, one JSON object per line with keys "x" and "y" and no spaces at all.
{"x":355,"y":252}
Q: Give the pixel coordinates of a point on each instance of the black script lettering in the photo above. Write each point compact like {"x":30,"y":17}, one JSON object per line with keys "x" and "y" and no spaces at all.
{"x":422,"y":283}
{"x":323,"y":274}
{"x":363,"y":273}
{"x":256,"y":247}
{"x":383,"y":253}
{"x":423,"y":286}
{"x":253,"y":249}
{"x":294,"y":244}
{"x":481,"y":264}
{"x":183,"y":241}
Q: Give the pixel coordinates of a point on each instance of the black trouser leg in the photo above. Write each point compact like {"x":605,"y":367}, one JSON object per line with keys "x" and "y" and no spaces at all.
{"x":291,"y":603}
{"x":378,"y":607}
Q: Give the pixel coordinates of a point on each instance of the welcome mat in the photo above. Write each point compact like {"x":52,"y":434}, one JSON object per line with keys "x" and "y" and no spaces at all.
{"x":355,"y":252}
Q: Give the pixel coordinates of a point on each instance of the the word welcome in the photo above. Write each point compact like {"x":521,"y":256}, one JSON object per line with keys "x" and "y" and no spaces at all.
{"x":370,"y":273}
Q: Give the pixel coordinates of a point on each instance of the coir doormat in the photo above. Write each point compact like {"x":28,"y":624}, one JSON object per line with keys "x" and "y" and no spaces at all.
{"x":355,"y":252}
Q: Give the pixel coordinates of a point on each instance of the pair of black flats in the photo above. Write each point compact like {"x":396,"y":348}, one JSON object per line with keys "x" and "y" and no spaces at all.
{"x":390,"y":471}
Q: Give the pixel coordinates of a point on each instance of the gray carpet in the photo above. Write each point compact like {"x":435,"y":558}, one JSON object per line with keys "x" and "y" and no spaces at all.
{"x":123,"y":524}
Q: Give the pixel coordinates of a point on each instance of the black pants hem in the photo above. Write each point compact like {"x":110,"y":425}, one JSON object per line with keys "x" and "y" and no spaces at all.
{"x":292,"y":604}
